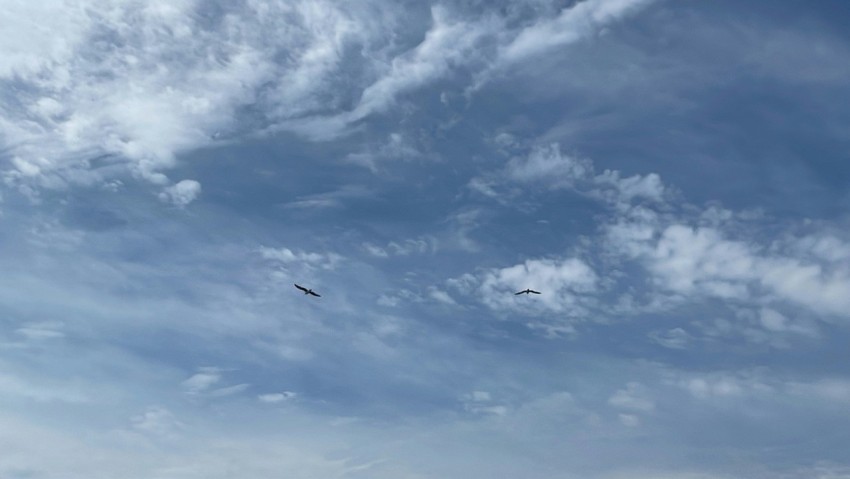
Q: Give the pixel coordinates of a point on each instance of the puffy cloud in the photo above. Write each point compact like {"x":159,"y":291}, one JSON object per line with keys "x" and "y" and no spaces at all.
{"x":182,"y":193}
{"x":547,"y":164}
{"x":700,"y":261}
{"x":548,"y":167}
{"x":564,"y":284}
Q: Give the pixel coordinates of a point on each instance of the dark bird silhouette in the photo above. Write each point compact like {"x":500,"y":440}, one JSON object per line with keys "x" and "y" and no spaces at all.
{"x":308,"y":291}
{"x":527,"y":291}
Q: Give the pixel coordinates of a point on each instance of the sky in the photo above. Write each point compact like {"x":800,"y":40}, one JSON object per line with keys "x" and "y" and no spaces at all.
{"x":672,"y":176}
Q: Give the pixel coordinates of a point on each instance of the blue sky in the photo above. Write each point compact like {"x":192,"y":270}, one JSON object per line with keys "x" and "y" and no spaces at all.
{"x":673,"y":176}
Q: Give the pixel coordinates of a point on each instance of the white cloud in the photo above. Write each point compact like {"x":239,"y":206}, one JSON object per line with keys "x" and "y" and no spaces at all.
{"x":633,"y":397}
{"x":836,"y":390}
{"x":574,"y":23}
{"x":41,"y":330}
{"x":775,"y":321}
{"x":144,"y":82}
{"x":229,"y":390}
{"x":675,"y":338}
{"x":547,"y":167}
{"x":547,"y":164}
{"x":563,"y":284}
{"x":406,"y":247}
{"x":327,"y":261}
{"x":202,"y":381}
{"x":158,"y":421}
{"x":481,"y":402}
{"x":629,"y":420}
{"x":138,"y":84}
{"x":41,"y":390}
{"x":331,"y":199}
{"x":688,"y":254}
{"x":397,"y":147}
{"x":636,"y":473}
{"x":273,"y":398}
{"x":441,"y":296}
{"x":701,"y":261}
{"x":181,"y":194}
{"x":449,"y":41}
{"x":724,"y":385}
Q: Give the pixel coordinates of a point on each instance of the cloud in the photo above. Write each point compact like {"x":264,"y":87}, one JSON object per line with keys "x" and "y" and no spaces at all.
{"x":629,"y":420}
{"x":634,"y":397}
{"x":397,"y":147}
{"x":182,"y":193}
{"x":166,"y":79}
{"x":566,"y":286}
{"x":481,"y":402}
{"x":441,"y":296}
{"x":700,"y":261}
{"x":675,"y":338}
{"x":408,"y":247}
{"x":158,"y":421}
{"x":41,"y":389}
{"x":724,"y":385}
{"x":286,"y":256}
{"x":202,"y":381}
{"x":129,"y":87}
{"x":548,"y":168}
{"x":547,"y":165}
{"x":574,"y":23}
{"x":273,"y":398}
{"x":41,"y":331}
{"x":332,"y":199}
{"x":449,"y":41}
{"x":668,"y":253}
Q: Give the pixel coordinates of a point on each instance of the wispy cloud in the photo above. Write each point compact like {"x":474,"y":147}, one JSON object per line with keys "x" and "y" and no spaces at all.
{"x":168,"y":80}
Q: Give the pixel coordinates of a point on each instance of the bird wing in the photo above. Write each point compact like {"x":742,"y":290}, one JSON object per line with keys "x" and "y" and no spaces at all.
{"x":532,"y":291}
{"x":519,"y":293}
{"x":302,"y":288}
{"x":316,"y":295}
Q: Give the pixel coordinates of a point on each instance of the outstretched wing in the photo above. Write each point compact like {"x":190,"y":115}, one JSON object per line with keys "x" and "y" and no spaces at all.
{"x":302,"y":288}
{"x":521,"y":292}
{"x":314,"y":294}
{"x":532,"y":291}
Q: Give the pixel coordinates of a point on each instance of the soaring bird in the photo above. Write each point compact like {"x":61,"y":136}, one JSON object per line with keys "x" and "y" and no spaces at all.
{"x":526,"y":291}
{"x":308,"y":291}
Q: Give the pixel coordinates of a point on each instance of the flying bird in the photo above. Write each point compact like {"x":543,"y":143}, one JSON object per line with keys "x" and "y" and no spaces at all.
{"x":308,"y":291}
{"x":527,"y":291}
